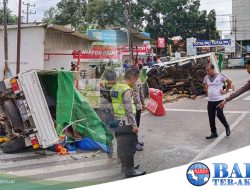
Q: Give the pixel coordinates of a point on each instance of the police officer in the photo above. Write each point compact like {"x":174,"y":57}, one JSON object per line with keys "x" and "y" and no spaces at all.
{"x":139,"y":102}
{"x":126,"y":131}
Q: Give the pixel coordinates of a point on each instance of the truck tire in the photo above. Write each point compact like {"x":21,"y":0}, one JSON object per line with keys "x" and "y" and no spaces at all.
{"x":185,"y":65}
{"x":13,"y":145}
{"x":14,"y":116}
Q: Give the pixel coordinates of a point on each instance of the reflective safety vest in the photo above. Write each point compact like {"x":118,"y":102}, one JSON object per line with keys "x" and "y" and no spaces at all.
{"x":116,"y":95}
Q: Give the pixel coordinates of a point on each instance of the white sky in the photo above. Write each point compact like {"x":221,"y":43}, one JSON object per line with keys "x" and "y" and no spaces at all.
{"x":222,"y":7}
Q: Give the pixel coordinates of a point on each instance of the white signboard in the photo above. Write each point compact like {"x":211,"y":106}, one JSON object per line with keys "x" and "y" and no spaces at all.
{"x":191,"y":50}
{"x":231,"y":48}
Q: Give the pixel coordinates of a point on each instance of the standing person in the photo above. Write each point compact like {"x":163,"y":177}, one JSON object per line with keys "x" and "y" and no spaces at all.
{"x":213,"y":85}
{"x":240,"y":91}
{"x":139,"y":102}
{"x":124,"y":110}
{"x":140,"y":64}
{"x":143,"y":62}
{"x":126,"y":65}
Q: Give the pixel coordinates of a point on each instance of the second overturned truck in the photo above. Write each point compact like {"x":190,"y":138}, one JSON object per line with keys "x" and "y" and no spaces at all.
{"x":185,"y":74}
{"x":37,"y":105}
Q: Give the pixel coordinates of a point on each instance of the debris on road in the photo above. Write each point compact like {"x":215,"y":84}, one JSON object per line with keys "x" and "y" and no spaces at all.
{"x":184,"y":76}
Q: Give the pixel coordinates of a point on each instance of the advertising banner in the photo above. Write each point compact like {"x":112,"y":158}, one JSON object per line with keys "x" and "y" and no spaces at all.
{"x":212,"y":43}
{"x":98,"y":53}
{"x":161,"y":43}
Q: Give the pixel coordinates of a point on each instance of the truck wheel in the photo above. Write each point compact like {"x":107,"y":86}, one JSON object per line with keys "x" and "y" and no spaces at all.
{"x":185,"y":65}
{"x":14,"y":145}
{"x":13,"y":116}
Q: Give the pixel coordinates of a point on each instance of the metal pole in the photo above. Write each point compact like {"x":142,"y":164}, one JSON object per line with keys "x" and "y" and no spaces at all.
{"x":235,"y":36}
{"x":130,"y":32}
{"x":27,"y":14}
{"x":127,"y":12}
{"x":5,"y":15}
{"x":156,"y":50}
{"x":18,"y":37}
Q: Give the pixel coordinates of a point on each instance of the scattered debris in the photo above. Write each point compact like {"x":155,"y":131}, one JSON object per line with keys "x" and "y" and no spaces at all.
{"x":183,"y":77}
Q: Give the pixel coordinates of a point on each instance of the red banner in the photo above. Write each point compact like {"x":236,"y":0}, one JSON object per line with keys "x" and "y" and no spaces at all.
{"x":98,"y":52}
{"x":161,"y":43}
{"x":140,"y":50}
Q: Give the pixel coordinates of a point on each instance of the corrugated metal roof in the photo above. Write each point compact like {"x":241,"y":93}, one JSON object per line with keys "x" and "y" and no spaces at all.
{"x":55,"y":27}
{"x":69,"y":31}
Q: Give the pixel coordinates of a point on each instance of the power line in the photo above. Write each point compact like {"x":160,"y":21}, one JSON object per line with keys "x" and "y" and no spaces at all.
{"x":28,"y":12}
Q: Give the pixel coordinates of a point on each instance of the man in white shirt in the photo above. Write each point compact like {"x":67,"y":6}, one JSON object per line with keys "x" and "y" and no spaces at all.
{"x":213,"y":86}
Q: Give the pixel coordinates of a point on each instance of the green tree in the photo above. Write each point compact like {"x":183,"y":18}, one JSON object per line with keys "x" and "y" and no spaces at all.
{"x":165,"y":18}
{"x":180,"y":18}
{"x":49,"y":15}
{"x":71,"y":12}
{"x":12,"y":19}
{"x":105,"y":13}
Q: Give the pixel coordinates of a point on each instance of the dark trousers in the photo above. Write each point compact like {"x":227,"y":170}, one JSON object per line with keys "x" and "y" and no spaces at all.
{"x":138,"y":117}
{"x":126,"y":146}
{"x":212,"y":110}
{"x":138,"y":120}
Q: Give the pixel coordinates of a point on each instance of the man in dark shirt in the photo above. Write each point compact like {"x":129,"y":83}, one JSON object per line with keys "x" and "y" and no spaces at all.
{"x":242,"y":90}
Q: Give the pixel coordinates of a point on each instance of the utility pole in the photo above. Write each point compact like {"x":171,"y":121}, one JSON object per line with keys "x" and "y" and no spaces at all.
{"x":235,"y":33}
{"x":28,"y":12}
{"x":5,"y":20}
{"x":19,"y":37}
{"x":127,"y":4}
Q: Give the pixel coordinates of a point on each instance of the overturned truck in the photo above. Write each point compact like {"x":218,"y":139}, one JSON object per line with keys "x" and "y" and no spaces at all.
{"x":37,"y":106}
{"x":185,"y":75}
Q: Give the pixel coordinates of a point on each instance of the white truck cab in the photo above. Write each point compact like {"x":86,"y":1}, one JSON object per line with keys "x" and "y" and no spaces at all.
{"x":26,"y":113}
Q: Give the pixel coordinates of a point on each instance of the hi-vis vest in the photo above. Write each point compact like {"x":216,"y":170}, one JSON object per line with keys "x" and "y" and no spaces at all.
{"x":117,"y":103}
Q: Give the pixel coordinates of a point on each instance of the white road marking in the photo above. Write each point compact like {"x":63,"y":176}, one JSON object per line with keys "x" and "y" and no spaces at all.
{"x":247,"y":98}
{"x":241,"y":96}
{"x":87,"y":176}
{"x":205,"y":151}
{"x":203,"y":111}
{"x":72,"y":166}
{"x":51,"y":159}
{"x":23,"y":155}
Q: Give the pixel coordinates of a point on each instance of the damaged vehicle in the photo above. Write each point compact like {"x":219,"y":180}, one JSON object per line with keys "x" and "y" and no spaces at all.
{"x":184,"y":75}
{"x":37,"y":107}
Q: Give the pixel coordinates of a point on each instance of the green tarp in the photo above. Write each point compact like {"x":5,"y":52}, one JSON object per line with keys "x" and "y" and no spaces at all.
{"x":72,"y":106}
{"x":220,"y":62}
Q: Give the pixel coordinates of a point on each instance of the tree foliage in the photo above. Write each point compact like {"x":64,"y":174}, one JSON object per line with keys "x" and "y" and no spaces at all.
{"x":180,"y":18}
{"x":11,"y":18}
{"x":166,"y":18}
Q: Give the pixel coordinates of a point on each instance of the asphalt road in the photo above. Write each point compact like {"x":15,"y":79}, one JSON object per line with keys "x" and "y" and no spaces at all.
{"x":172,"y":140}
{"x":179,"y":137}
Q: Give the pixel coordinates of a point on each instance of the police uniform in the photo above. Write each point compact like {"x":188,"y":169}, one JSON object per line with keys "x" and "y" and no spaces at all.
{"x":124,"y":112}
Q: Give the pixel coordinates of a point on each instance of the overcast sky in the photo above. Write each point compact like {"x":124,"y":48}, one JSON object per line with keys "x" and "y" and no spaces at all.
{"x":222,"y":7}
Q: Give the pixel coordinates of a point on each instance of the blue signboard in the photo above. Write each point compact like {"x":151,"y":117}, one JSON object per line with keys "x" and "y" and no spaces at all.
{"x":248,"y":48}
{"x":212,"y":43}
{"x":106,"y":36}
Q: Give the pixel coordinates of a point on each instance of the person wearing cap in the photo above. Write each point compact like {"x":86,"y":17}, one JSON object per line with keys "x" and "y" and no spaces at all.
{"x":139,"y":102}
{"x":126,"y":128}
{"x":240,"y":91}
